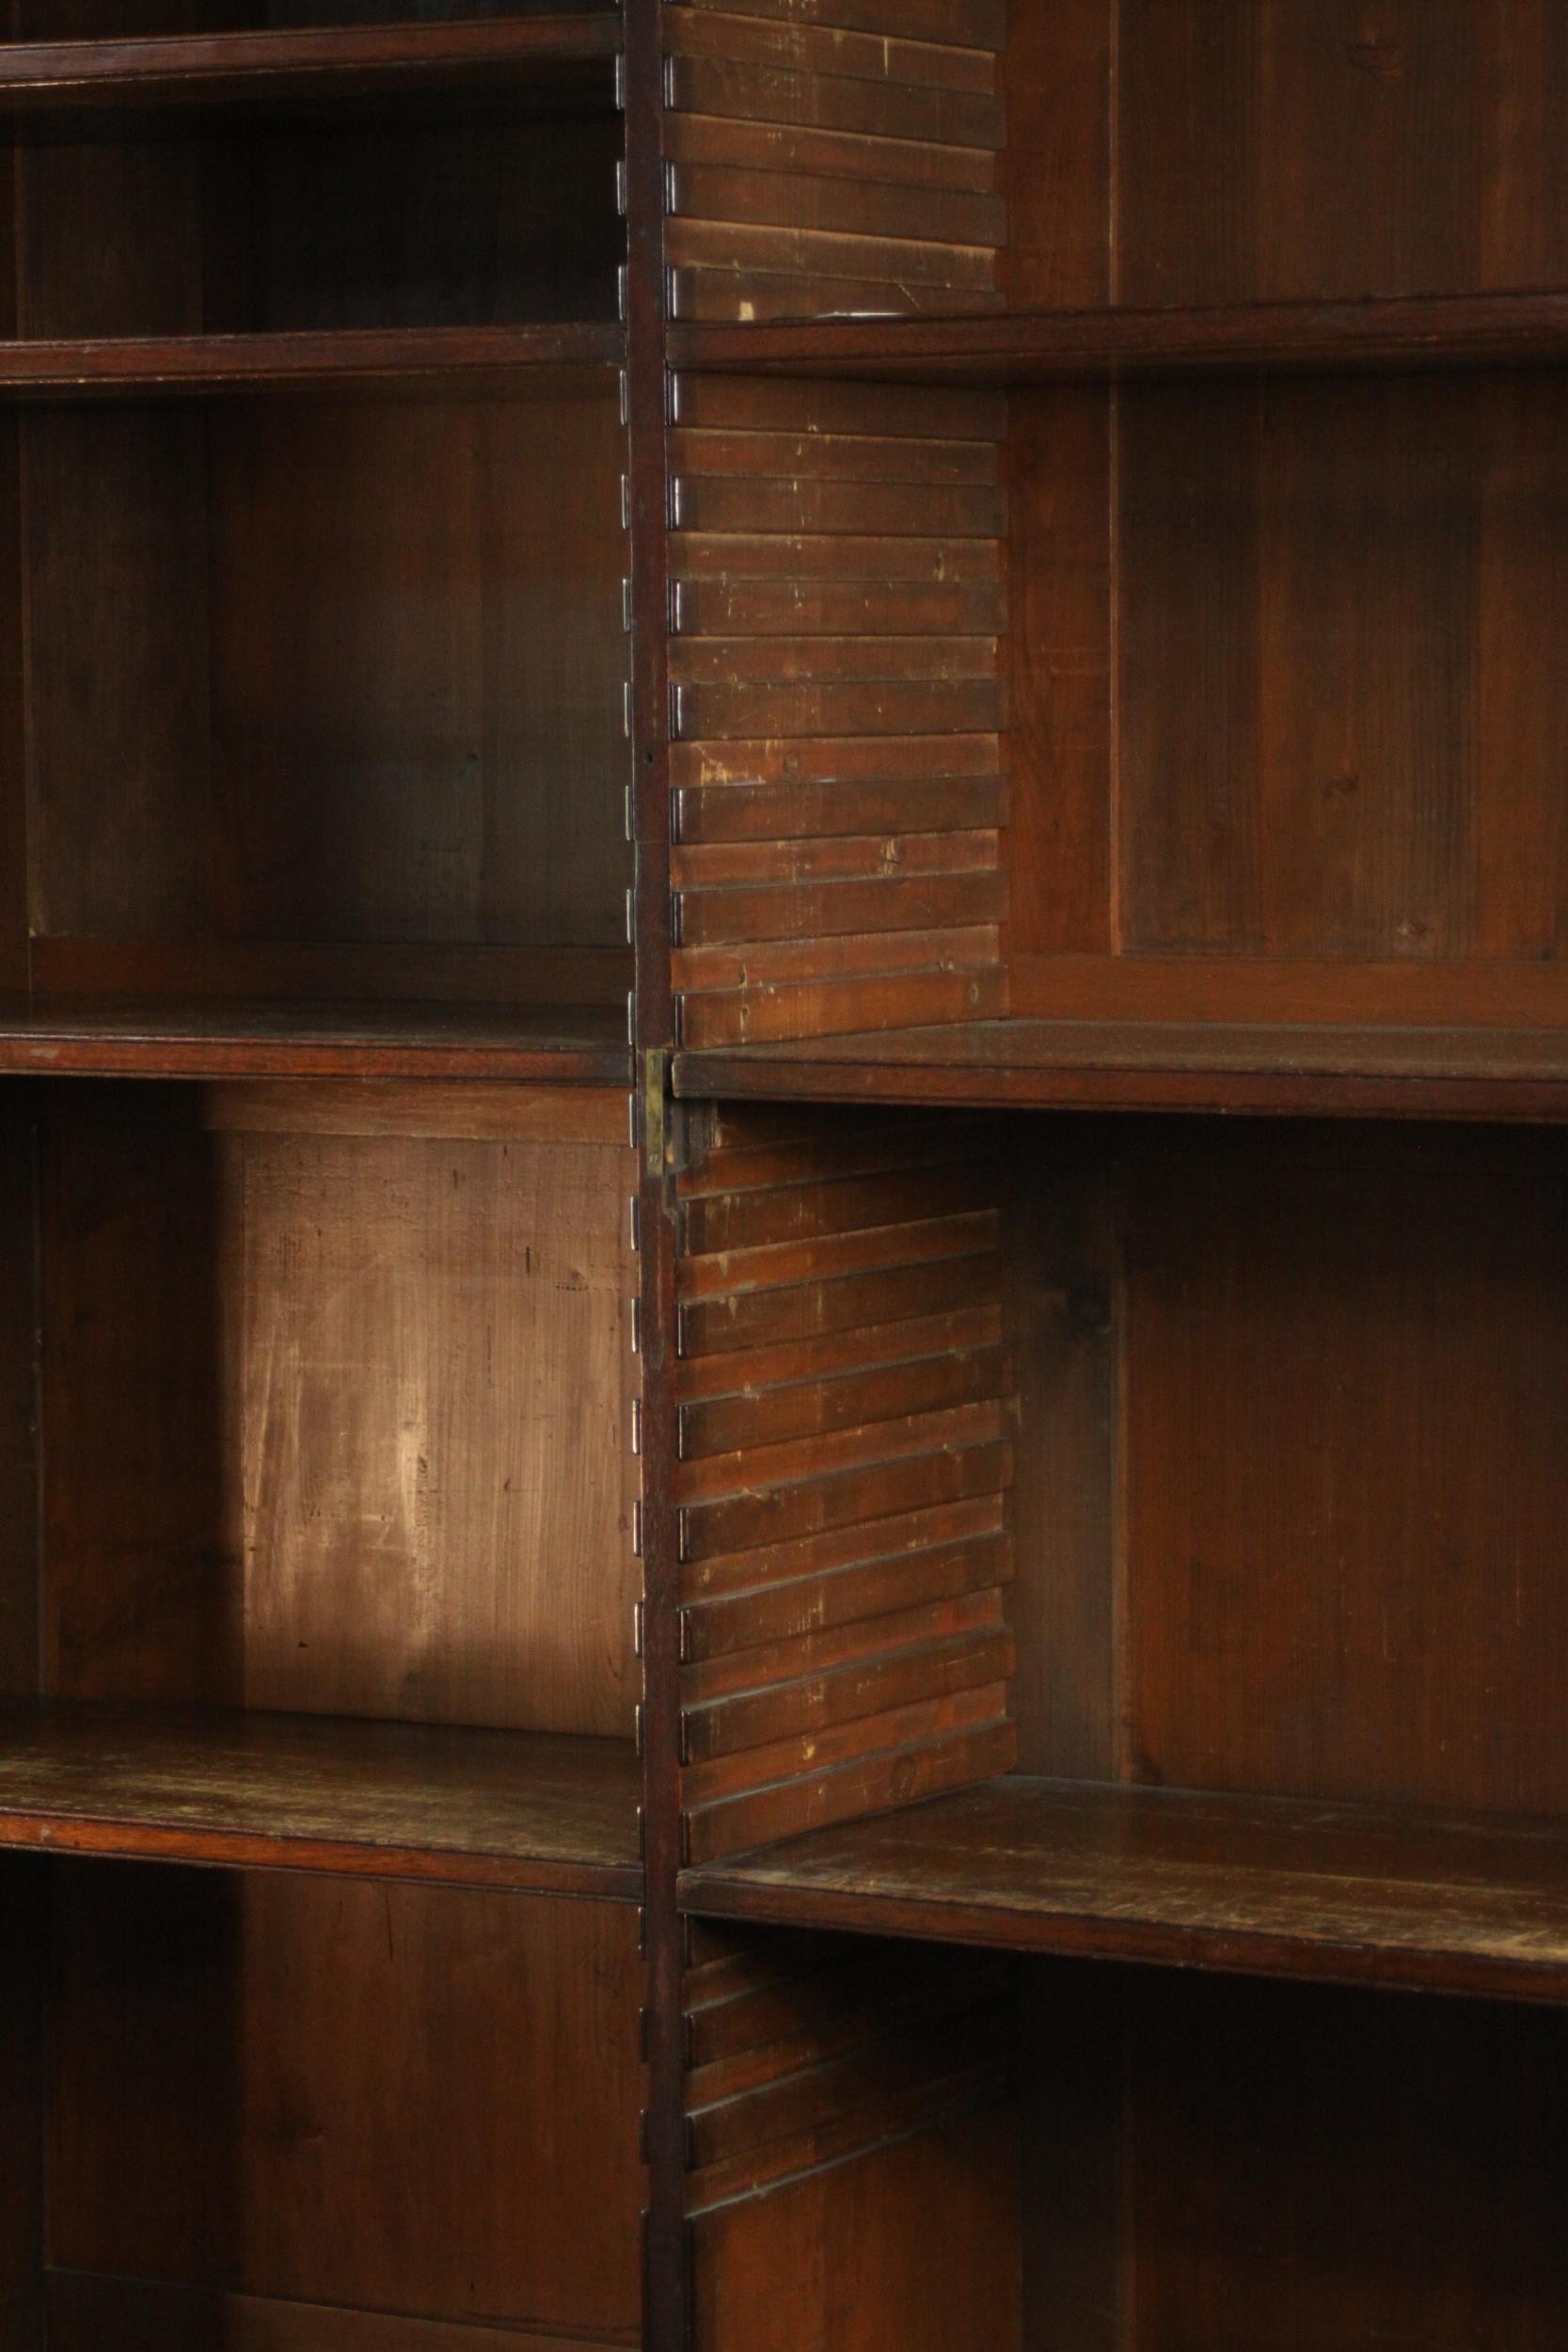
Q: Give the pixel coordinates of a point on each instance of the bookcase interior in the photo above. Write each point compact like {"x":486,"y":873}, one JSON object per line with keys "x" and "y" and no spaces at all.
{"x":333,"y":1388}
{"x":322,"y":700}
{"x":1290,"y":1490}
{"x":316,"y":1408}
{"x":200,"y":2136}
{"x":1179,"y":2162}
{"x":460,"y":207}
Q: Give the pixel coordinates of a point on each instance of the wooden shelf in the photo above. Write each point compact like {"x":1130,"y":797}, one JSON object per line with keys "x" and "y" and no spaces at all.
{"x":563,"y":1044}
{"x":1174,"y":1066}
{"x":395,"y":1800}
{"x":546,"y":359}
{"x":1077,"y":347}
{"x":1261,"y":1886}
{"x":550,"y":56}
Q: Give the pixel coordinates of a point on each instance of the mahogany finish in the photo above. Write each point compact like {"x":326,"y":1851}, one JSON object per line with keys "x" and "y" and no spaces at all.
{"x":999,"y":567}
{"x":1384,"y":334}
{"x":1266,"y":1886}
{"x":463,"y":1808}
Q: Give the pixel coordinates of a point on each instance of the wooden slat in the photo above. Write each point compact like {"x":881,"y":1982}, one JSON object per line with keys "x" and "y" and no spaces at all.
{"x":801,"y":202}
{"x":828,"y":47}
{"x":892,"y":111}
{"x":785,"y":1611}
{"x":963,"y":24}
{"x":775,"y":963}
{"x":867,"y":1545}
{"x":694,"y":138}
{"x":956,"y":1759}
{"x":764,"y":1012}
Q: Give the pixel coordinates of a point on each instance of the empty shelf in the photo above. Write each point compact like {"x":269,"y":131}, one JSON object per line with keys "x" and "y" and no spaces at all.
{"x":1076,"y":346}
{"x":546,"y":359}
{"x":1186,"y":1065}
{"x":563,"y":1044}
{"x":470,"y":1808}
{"x":1263,"y":1886}
{"x":548,"y":56}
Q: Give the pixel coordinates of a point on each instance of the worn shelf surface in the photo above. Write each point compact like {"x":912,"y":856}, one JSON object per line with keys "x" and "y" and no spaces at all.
{"x":472,"y":1809}
{"x":565,"y":1044}
{"x":519,"y":360}
{"x":1264,"y":1886}
{"x":1152,"y":1065}
{"x":543,"y":57}
{"x":1076,"y":346}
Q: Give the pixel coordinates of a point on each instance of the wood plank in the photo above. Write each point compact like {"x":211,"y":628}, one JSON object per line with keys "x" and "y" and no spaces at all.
{"x":1396,"y":332}
{"x":1263,"y":1886}
{"x":241,"y":1506}
{"x":766,"y":92}
{"x":1368,"y":1071}
{"x":142,"y":2315}
{"x":454,"y":1807}
{"x":583,"y":1046}
{"x":184,"y":69}
{"x":556,"y":358}
{"x":233,"y":2055}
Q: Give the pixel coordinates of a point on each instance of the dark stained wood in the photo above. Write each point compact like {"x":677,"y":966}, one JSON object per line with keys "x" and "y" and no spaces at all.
{"x":338,"y":1419}
{"x":393,"y":1801}
{"x":579,"y":1045}
{"x":1472,"y":1073}
{"x":443,"y":806}
{"x":845,"y":2253}
{"x":1394,"y":2168}
{"x":458,"y":356}
{"x":1345,"y":1485}
{"x":1261,"y":1885}
{"x":268,"y":62}
{"x":1393,"y":332}
{"x":138,"y":2316}
{"x":233,"y":2055}
{"x":872,"y":185}
{"x":22,"y":1915}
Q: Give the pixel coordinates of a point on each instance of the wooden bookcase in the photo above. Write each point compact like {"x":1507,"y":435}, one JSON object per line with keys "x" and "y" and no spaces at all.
{"x":719,"y":1632}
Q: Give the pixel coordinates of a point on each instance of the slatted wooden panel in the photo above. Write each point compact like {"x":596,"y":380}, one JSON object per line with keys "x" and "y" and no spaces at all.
{"x":829,"y":2080}
{"x":839,"y":593}
{"x":832,"y":156}
{"x":846,"y":1428}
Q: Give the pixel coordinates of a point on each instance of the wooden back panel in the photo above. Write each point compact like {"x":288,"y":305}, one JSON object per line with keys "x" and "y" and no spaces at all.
{"x":310,"y":2090}
{"x":838,"y":604}
{"x":1186,"y":153}
{"x":336,"y":1389}
{"x":833,"y":157}
{"x":1219,"y":2165}
{"x":846,"y":2108}
{"x":196,"y":571}
{"x":845,"y":1456}
{"x":1286,"y":678}
{"x":1292,"y":1489}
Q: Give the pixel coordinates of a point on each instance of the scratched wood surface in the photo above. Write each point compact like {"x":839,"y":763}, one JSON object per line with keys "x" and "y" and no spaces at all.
{"x":370,"y":1397}
{"x":391,"y":1801}
{"x":839,"y":776}
{"x":833,"y":158}
{"x":845,"y":1444}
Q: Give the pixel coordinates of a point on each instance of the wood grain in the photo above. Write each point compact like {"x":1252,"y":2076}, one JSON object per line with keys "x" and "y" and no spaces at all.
{"x":219,"y":2121}
{"x":517,"y":1810}
{"x":832,"y":719}
{"x":372,"y":1392}
{"x":1261,"y":1885}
